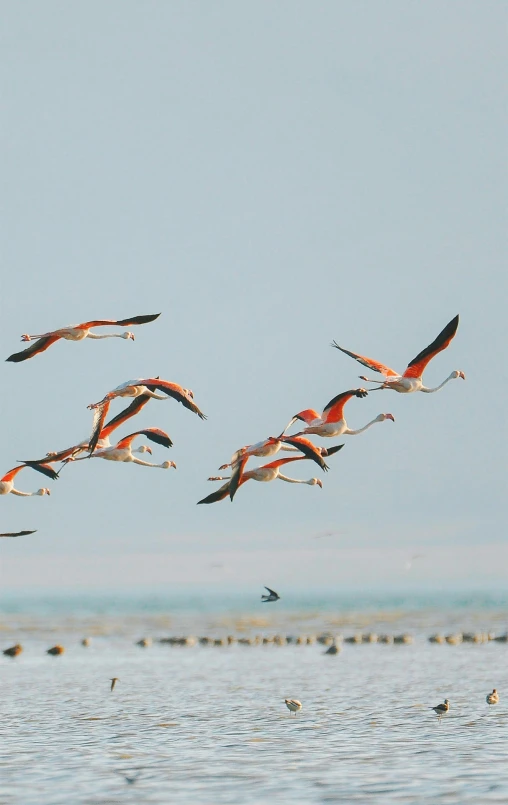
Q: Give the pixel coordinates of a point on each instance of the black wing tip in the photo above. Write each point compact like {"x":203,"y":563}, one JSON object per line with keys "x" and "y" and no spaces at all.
{"x":16,"y":357}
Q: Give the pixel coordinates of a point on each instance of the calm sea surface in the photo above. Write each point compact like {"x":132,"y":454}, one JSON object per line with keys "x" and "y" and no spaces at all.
{"x":208,"y":724}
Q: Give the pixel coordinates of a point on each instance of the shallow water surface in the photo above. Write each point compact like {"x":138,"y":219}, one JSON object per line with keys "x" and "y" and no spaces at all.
{"x":209,"y":724}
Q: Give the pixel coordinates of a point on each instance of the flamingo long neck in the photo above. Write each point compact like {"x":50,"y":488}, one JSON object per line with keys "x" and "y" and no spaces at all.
{"x":23,"y":494}
{"x":109,"y":335}
{"x":294,"y":480}
{"x":360,"y":430}
{"x":147,"y":463}
{"x":431,"y":391}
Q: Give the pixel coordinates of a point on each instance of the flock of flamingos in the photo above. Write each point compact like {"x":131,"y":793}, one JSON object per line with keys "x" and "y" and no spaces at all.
{"x":329,"y":424}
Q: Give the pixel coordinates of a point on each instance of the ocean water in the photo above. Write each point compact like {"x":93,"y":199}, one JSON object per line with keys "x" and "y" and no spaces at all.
{"x":208,"y":724}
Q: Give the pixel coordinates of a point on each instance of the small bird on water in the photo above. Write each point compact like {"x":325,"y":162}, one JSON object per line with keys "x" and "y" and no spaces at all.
{"x":441,"y":709}
{"x":272,"y":596}
{"x":114,"y":680}
{"x":493,"y":698}
{"x":293,"y":705}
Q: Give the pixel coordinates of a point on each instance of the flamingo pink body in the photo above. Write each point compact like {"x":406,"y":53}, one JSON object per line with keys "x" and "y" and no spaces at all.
{"x":332,"y":422}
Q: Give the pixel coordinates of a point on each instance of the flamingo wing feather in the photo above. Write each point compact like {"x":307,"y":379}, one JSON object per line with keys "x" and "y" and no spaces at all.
{"x":41,"y":345}
{"x":307,"y":448}
{"x":136,"y":405}
{"x":416,"y":367}
{"x":370,"y":363}
{"x":219,"y":494}
{"x":333,"y":411}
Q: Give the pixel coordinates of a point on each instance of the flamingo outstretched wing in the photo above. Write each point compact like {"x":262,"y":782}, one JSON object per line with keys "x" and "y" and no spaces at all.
{"x":307,"y":448}
{"x":333,"y":411}
{"x":176,"y":391}
{"x":62,"y":455}
{"x":44,"y":468}
{"x":370,"y":363}
{"x":416,"y":367}
{"x":238,"y":462}
{"x":41,"y":345}
{"x":87,"y":325}
{"x":219,"y":494}
{"x":154,"y":434}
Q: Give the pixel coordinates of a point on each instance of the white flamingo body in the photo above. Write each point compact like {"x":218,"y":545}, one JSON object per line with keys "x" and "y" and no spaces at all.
{"x":332,"y":421}
{"x":264,"y":449}
{"x":123,"y":451}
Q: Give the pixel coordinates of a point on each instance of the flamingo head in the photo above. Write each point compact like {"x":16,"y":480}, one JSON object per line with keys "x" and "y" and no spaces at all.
{"x":189,"y":393}
{"x":143,"y":449}
{"x":43,"y":491}
{"x":458,"y":373}
{"x":316,"y":482}
{"x":128,"y":335}
{"x":382,"y":417}
{"x":168,"y":464}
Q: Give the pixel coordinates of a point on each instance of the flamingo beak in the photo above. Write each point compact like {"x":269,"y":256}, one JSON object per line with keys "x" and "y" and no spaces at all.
{"x":319,"y":483}
{"x":131,"y":335}
{"x":462,"y":375}
{"x":390,"y":416}
{"x":149,"y":450}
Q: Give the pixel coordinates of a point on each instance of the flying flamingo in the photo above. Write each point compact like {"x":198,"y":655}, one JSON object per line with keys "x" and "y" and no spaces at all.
{"x":18,"y":534}
{"x":268,"y":472}
{"x":102,"y":440}
{"x":332,"y":422}
{"x":137,"y":388}
{"x":297,"y":443}
{"x":123,"y":450}
{"x":411,"y":380}
{"x":268,"y":447}
{"x":7,"y":482}
{"x":77,"y":332}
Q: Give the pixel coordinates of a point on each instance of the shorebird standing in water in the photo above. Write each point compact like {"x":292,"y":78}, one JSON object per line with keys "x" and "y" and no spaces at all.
{"x":114,"y":681}
{"x":493,"y":698}
{"x":441,"y":709}
{"x":272,"y":596}
{"x":293,"y":705}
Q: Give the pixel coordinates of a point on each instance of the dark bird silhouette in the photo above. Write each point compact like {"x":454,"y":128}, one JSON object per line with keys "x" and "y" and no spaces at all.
{"x":272,"y":596}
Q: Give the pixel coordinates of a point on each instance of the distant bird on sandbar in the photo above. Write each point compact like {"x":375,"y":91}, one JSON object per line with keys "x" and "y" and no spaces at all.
{"x":55,"y":651}
{"x":441,"y":709}
{"x":114,"y":680}
{"x":7,"y":481}
{"x":272,"y":596}
{"x":493,"y":698}
{"x":293,"y":705}
{"x":13,"y":651}
{"x":123,"y":451}
{"x":77,"y":332}
{"x":18,"y":534}
{"x":137,"y":388}
{"x":411,"y":380}
{"x":332,"y":422}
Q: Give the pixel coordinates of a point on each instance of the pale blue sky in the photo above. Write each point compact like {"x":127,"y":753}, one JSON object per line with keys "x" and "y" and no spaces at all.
{"x":270,"y":176}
